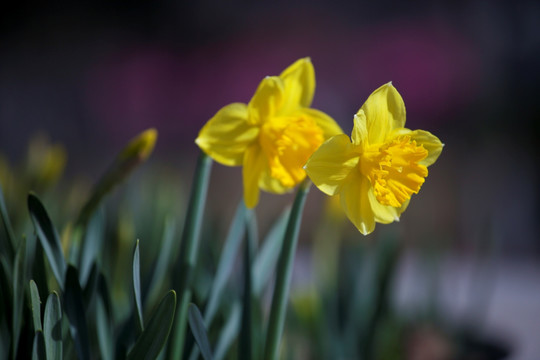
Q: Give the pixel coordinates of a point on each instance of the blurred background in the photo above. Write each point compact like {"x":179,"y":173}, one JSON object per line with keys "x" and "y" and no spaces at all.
{"x":91,"y":75}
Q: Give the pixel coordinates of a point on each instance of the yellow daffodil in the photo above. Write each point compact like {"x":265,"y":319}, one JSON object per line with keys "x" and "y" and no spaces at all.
{"x":273,"y":136}
{"x":376,"y":171}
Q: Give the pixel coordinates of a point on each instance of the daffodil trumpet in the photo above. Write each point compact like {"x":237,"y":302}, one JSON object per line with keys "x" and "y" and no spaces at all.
{"x":377,"y":170}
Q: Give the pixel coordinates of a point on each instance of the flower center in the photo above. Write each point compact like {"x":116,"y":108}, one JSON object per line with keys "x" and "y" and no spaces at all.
{"x":288,"y":142}
{"x":393,"y":169}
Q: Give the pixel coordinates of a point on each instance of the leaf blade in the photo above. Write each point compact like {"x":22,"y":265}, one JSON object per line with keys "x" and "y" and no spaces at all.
{"x":52,"y":327}
{"x":226,"y":262}
{"x":155,"y":335}
{"x":48,"y":236}
{"x":19,"y":275}
{"x":38,"y":348}
{"x":36,"y":306}
{"x":137,"y":286}
{"x":196,"y":323}
{"x":9,"y":246}
{"x":74,"y":307}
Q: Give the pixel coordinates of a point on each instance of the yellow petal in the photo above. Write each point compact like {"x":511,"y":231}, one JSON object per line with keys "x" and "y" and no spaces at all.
{"x":267,"y":100}
{"x":226,"y":136}
{"x":325,"y":122}
{"x":383,"y":214}
{"x":271,"y":184}
{"x":385,"y":111}
{"x":355,"y":202}
{"x":299,"y":84}
{"x":254,"y":161}
{"x":403,"y":207}
{"x":332,"y":163}
{"x":359,"y":133}
{"x":429,"y":141}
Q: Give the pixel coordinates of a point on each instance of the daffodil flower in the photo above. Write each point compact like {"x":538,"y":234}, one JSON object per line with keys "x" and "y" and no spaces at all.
{"x":376,"y":171}
{"x":273,"y":136}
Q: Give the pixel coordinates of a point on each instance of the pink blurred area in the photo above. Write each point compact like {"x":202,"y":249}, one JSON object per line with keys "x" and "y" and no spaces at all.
{"x":435,"y":67}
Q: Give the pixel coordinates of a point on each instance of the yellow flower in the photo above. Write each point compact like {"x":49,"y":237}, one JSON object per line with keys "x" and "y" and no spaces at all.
{"x":273,"y":136}
{"x":380,"y":167}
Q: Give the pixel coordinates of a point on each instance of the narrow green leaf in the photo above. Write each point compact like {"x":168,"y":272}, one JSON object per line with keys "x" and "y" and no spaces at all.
{"x":153,"y":338}
{"x":225,"y":266}
{"x":38,"y":270}
{"x":137,"y":286}
{"x":74,"y":307}
{"x":245,"y":342}
{"x":103,"y":291}
{"x":38,"y":349}
{"x":104,"y":320}
{"x":91,"y":284}
{"x":283,"y":276}
{"x":19,"y":281}
{"x":104,"y":330}
{"x":229,"y":332}
{"x":48,"y":236}
{"x":266,"y":259}
{"x":92,"y":244}
{"x":196,"y":324}
{"x":226,"y":262}
{"x":188,"y":252}
{"x":262,"y":269}
{"x":8,"y":246}
{"x":36,"y":306}
{"x":52,"y":327}
{"x":6,"y":310}
{"x":163,"y":262}
{"x":387,"y":254}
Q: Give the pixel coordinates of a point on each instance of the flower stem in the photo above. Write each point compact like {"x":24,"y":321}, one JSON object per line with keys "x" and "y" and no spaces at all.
{"x":284,"y":272}
{"x":188,"y":253}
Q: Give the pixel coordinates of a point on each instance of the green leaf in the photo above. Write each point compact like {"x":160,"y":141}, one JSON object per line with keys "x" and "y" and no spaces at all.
{"x":229,"y":332}
{"x":188,"y":252}
{"x":226,"y":262}
{"x":8,"y":246}
{"x":52,"y":327}
{"x":91,"y":284}
{"x":6,"y":310}
{"x":38,"y":271}
{"x":225,"y":266}
{"x":245,"y":342}
{"x":48,"y":236}
{"x":38,"y":349}
{"x":104,"y":320}
{"x":104,"y":330}
{"x":283,"y":276}
{"x":266,"y":259}
{"x":91,"y":246}
{"x":19,"y":281}
{"x":153,"y":338}
{"x":262,"y":269}
{"x":388,"y":250}
{"x":36,"y":306}
{"x":196,"y":324}
{"x":163,"y":262}
{"x":74,"y":307}
{"x":137,"y":286}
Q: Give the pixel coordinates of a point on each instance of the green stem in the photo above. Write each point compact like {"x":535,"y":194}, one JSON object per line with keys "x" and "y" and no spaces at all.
{"x":188,"y":253}
{"x":284,"y":272}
